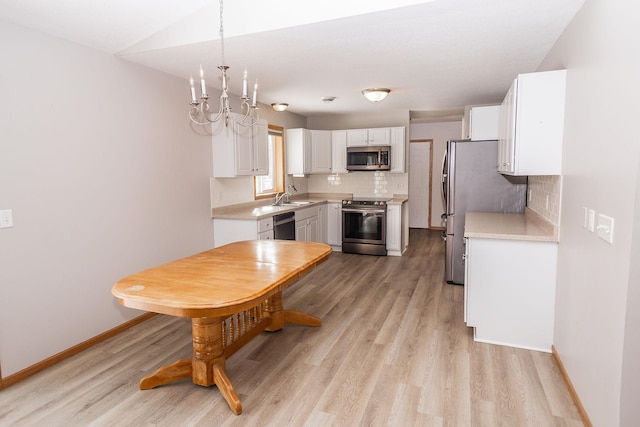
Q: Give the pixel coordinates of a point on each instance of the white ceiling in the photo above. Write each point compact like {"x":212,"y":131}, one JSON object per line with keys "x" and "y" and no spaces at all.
{"x":435,"y":56}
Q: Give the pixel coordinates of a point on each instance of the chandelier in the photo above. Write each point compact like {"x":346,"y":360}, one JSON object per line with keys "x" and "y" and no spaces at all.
{"x":200,"y":112}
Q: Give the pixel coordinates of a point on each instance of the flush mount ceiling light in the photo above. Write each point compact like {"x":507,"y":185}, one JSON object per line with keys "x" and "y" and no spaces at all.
{"x":280,"y":106}
{"x":376,"y":94}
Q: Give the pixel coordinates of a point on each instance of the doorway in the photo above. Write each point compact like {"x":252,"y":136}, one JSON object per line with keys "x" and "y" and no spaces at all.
{"x":420,"y":166}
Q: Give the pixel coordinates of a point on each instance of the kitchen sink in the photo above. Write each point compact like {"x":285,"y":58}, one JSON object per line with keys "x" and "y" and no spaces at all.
{"x":296,"y":203}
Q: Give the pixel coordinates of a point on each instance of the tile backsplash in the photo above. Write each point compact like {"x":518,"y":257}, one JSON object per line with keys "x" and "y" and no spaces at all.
{"x":360,"y":184}
{"x":544,"y":197}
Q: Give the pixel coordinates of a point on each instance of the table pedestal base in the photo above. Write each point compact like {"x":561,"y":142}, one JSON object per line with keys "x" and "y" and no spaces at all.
{"x":216,"y":338}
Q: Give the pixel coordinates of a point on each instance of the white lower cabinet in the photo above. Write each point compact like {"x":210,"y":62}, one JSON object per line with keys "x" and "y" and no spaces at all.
{"x":322,"y":224}
{"x":235,"y":230}
{"x":397,"y":229}
{"x":334,"y":225}
{"x":393,"y":228}
{"x":510,"y":291}
{"x":307,"y":225}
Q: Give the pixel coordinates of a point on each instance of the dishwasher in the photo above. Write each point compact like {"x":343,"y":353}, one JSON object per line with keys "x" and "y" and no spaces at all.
{"x":284,"y":226}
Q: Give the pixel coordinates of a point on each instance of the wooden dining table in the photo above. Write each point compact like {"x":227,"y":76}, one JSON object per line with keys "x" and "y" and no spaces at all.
{"x":231,"y":293}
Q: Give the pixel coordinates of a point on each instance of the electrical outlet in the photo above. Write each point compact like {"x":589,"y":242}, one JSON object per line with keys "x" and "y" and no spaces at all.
{"x":6,"y":218}
{"x":605,"y":228}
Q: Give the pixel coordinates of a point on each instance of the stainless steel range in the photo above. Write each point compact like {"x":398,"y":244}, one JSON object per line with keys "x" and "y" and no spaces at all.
{"x":364,"y":226}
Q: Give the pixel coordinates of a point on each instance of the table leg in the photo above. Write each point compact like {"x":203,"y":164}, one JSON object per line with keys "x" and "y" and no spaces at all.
{"x":279,"y":316}
{"x":205,"y":368}
{"x":301,"y":318}
{"x":177,"y":370}
{"x":208,"y":359}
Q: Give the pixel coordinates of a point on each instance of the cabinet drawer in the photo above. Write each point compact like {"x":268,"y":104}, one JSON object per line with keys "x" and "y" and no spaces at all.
{"x":265,"y":224}
{"x":266,"y":235}
{"x":306,"y":213}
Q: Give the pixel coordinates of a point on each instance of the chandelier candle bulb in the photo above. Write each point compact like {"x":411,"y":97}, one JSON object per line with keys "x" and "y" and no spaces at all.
{"x":193,"y":91}
{"x":203,"y":85}
{"x":255,"y":94}
{"x":244,"y":86}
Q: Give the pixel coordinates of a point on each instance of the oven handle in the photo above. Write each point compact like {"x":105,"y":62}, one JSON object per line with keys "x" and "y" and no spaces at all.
{"x":363,"y":210}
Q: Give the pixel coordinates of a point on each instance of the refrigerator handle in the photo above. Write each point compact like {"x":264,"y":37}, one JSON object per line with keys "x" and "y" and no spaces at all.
{"x":444,"y":177}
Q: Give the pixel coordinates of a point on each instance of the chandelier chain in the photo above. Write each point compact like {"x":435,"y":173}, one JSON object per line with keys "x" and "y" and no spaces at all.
{"x":222,"y":35}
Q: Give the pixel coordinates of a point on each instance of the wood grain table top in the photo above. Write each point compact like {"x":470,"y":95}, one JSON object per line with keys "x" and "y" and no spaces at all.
{"x":220,"y":281}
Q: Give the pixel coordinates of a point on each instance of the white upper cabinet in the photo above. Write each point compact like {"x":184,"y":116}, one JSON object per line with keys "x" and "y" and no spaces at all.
{"x":357,"y":137}
{"x":398,"y":145}
{"x":484,"y":122}
{"x":240,"y":150}
{"x":325,"y":151}
{"x":532,"y":125}
{"x":308,"y":151}
{"x":362,"y":137}
{"x":252,"y":152}
{"x":339,"y":151}
{"x":298,"y":149}
{"x":321,"y":160}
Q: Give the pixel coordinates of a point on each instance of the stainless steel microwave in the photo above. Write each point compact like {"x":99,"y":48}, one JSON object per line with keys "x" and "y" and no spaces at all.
{"x":369,"y":158}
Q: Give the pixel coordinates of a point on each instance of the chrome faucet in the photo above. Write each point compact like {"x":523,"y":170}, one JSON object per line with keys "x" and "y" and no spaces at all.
{"x":284,"y":197}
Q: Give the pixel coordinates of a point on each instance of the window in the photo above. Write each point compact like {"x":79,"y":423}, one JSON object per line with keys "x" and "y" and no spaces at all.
{"x":268,"y":185}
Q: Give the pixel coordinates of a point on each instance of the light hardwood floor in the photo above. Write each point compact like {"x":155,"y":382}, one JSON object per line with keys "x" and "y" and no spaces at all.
{"x":393,"y":350}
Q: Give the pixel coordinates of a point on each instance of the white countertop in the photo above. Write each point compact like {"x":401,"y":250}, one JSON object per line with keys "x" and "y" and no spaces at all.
{"x":509,"y":226}
{"x":264,"y":208}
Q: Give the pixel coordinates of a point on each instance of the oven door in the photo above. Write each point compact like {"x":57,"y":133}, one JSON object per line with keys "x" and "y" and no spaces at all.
{"x":364,"y":226}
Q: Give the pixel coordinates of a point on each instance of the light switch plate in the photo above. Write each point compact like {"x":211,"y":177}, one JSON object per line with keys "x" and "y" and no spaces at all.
{"x":605,"y":228}
{"x":585,"y":217}
{"x":591,"y":219}
{"x":6,"y":218}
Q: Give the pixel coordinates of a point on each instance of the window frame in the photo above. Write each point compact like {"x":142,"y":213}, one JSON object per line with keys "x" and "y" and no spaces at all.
{"x":278,"y":157}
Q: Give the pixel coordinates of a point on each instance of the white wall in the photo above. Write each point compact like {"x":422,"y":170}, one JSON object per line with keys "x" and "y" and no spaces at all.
{"x":440,"y":133}
{"x":105,"y":178}
{"x":359,"y":121}
{"x":596,"y":325}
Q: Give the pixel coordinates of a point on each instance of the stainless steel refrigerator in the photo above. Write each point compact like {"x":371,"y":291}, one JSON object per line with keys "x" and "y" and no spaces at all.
{"x":471,"y":182}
